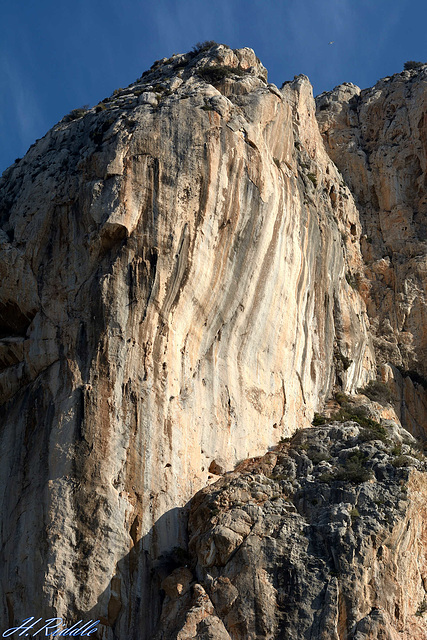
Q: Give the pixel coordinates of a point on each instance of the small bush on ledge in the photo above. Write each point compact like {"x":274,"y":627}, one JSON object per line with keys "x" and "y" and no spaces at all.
{"x":319,"y":420}
{"x":352,"y":471}
{"x":202,"y":46}
{"x":411,"y":64}
{"x":216,"y":73}
{"x":377,"y":391}
{"x":76,"y":113}
{"x":371,"y":430}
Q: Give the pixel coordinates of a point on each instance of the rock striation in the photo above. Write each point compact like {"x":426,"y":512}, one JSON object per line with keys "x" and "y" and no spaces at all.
{"x":186,"y":278}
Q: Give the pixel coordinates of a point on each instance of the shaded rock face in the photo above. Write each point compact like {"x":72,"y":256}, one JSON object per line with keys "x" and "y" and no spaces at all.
{"x":377,"y":138}
{"x":322,"y":538}
{"x":179,"y":272}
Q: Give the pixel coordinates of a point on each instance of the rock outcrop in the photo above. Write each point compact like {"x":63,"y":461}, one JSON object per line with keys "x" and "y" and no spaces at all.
{"x":324,"y":538}
{"x":378,"y":140}
{"x":185,"y":279}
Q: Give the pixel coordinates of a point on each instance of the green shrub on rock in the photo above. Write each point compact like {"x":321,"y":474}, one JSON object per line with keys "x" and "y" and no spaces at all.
{"x":377,"y":391}
{"x":216,"y":73}
{"x":411,"y":64}
{"x":199,"y":47}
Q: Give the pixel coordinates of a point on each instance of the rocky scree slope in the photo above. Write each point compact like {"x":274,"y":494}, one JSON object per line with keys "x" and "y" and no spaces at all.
{"x":178,"y":292}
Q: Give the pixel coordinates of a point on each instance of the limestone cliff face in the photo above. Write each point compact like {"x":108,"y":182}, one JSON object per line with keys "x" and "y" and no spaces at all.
{"x":178,"y":269}
{"x":378,"y":140}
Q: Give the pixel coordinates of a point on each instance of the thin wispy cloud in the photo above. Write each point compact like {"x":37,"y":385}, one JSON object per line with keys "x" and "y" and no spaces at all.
{"x":23,"y":100}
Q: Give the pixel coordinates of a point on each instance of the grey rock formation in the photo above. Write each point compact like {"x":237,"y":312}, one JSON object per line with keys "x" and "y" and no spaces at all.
{"x":318,"y":539}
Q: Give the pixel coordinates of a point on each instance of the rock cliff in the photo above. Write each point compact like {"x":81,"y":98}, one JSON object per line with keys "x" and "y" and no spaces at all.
{"x":319,"y":538}
{"x":186,"y":278}
{"x":377,"y":138}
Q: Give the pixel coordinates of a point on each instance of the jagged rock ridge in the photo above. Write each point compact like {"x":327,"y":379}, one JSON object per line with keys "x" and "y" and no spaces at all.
{"x":182,"y":284}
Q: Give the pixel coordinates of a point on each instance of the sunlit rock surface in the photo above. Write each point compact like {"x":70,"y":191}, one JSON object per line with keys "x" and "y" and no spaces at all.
{"x":182,"y":285}
{"x":377,"y":138}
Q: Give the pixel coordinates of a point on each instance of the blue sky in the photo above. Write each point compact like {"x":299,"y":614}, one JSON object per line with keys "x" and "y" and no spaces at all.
{"x":57,"y":55}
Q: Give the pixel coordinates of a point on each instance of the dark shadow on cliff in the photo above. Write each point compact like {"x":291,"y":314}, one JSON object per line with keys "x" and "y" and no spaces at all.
{"x":131,"y":605}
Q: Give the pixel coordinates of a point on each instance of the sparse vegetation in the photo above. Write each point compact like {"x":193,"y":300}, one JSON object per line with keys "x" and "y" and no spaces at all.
{"x":412,"y":64}
{"x":77,"y":113}
{"x":327,"y":477}
{"x":199,"y":47}
{"x":277,"y":477}
{"x":217,"y":73}
{"x":161,"y":89}
{"x":371,"y":430}
{"x":401,"y":461}
{"x":317,"y":456}
{"x":319,"y":419}
{"x":354,"y":469}
{"x":100,"y":107}
{"x":341,"y":398}
{"x":312,"y":178}
{"x":354,"y":514}
{"x":378,"y":391}
{"x":422,"y":608}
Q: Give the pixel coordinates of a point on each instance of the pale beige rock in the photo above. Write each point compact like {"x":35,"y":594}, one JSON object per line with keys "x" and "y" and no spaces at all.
{"x":377,"y":138}
{"x":181,"y":282}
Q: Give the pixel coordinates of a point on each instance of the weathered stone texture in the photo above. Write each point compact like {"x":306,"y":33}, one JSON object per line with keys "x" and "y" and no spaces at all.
{"x":377,"y":138}
{"x":181,"y":285}
{"x":288,"y":548}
